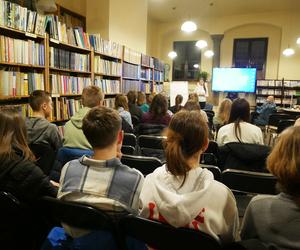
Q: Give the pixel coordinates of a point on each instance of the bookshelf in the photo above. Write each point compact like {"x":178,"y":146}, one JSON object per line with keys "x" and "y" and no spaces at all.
{"x":284,"y":91}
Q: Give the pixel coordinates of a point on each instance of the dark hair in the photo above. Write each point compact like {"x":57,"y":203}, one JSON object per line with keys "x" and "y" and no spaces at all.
{"x":186,"y":135}
{"x":194,"y":97}
{"x":101,"y":126}
{"x":132,"y":96}
{"x":191,"y":105}
{"x":240,"y":112}
{"x":121,"y":101}
{"x":159,"y":106}
{"x":91,"y":96}
{"x":37,"y":98}
{"x":141,"y":98}
{"x":178,"y":101}
{"x":13,"y":135}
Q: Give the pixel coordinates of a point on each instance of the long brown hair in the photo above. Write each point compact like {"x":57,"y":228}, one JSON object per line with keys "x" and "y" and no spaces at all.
{"x":224,"y":110}
{"x":121,"y":101}
{"x":13,"y":135}
{"x":240,"y":112}
{"x":159,"y":106}
{"x":186,"y":135}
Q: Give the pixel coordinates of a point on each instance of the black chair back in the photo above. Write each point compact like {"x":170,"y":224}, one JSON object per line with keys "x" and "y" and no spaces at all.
{"x":215,"y":171}
{"x":209,"y":159}
{"x":275,"y":118}
{"x":163,"y":236}
{"x":211,"y":112}
{"x":151,"y":141}
{"x":145,"y":165}
{"x":283,"y":124}
{"x":45,"y":156}
{"x":127,"y":150}
{"x":249,"y":182}
{"x":129,"y":140}
{"x":135,"y":120}
{"x":150,"y":129}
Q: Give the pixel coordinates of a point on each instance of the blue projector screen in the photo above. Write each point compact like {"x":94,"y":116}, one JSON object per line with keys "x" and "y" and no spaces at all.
{"x":234,"y":79}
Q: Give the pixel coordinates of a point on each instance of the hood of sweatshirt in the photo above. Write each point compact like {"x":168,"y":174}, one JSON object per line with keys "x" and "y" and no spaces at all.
{"x":78,"y":117}
{"x":36,"y":127}
{"x":179,"y":205}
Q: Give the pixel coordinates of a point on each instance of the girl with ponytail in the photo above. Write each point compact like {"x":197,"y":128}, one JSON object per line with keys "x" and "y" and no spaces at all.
{"x":184,"y":194}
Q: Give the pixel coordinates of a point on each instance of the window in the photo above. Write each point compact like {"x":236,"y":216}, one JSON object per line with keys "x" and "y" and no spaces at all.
{"x":251,"y":53}
{"x":187,"y":56}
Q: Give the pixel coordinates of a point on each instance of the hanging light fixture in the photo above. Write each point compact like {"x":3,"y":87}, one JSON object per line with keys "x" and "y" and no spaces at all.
{"x":288,"y":51}
{"x":172,"y":54}
{"x":188,"y":26}
{"x":201,"y":44}
{"x":196,"y":66}
{"x":209,"y":53}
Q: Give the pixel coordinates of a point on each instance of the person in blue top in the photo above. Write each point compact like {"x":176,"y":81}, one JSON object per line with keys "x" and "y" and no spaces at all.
{"x":265,"y":111}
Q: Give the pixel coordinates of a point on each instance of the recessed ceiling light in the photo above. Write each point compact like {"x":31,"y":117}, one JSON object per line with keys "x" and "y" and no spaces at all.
{"x":288,"y":52}
{"x":298,"y":40}
{"x":201,"y":44}
{"x":172,"y":54}
{"x":188,"y":26}
{"x":196,"y":66}
{"x":209,"y":53}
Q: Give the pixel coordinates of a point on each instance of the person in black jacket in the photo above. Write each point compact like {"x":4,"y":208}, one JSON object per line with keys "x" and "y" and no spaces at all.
{"x":18,"y":173}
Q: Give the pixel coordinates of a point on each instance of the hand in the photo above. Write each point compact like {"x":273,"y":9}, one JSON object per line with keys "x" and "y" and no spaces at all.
{"x":54,"y":183}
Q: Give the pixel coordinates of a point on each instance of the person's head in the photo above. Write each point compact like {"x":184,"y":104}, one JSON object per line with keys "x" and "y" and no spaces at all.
{"x":40,"y":101}
{"x":121,"y":102}
{"x":178,"y":100}
{"x":132,"y":97}
{"x":92,"y":96}
{"x":297,"y":122}
{"x":141,"y":98}
{"x":284,"y":161}
{"x":192,"y":105}
{"x":270,"y":99}
{"x":13,"y":134}
{"x":224,"y":110}
{"x":240,"y":112}
{"x":102,"y":127}
{"x":187,"y":138}
{"x":194,"y":97}
{"x":159,"y":106}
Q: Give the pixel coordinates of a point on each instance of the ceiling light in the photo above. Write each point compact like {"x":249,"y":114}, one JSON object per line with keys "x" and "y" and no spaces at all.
{"x":172,"y":54}
{"x":201,"y":44}
{"x":209,"y":53}
{"x":288,"y":52}
{"x":188,"y":26}
{"x":298,"y":40}
{"x":196,"y":66}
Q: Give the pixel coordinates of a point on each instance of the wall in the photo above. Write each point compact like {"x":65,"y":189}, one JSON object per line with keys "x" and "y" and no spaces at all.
{"x":78,"y":6}
{"x":152,"y":37}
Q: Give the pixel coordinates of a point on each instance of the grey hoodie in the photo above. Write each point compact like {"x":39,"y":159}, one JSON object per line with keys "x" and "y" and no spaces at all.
{"x":40,"y":130}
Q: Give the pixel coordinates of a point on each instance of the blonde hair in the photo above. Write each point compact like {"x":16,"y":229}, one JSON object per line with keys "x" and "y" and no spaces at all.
{"x":284,"y":161}
{"x":141,"y":98}
{"x":224,"y":110}
{"x":194,"y":97}
{"x":121,"y":101}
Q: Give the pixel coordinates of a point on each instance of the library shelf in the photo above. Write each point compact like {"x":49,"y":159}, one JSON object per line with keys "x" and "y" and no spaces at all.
{"x":137,"y":64}
{"x":269,"y":87}
{"x":146,"y":80}
{"x":21,"y":33}
{"x":146,"y":66}
{"x":59,"y":44}
{"x":66,"y":95}
{"x":102,"y":74}
{"x":13,"y":97}
{"x":130,"y":78}
{"x":70,"y":71}
{"x":98,"y":53}
{"x":22,"y":65}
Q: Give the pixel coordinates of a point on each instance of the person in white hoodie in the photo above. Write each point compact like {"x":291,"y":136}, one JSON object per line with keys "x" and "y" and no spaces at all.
{"x":183,"y":194}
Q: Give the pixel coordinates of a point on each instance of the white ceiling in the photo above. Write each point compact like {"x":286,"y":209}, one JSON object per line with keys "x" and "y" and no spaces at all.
{"x":162,"y":10}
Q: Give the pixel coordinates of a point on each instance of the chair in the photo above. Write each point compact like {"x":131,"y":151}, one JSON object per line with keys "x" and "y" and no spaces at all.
{"x":215,"y":171}
{"x":129,"y":140}
{"x":210,"y":116}
{"x":150,"y":129}
{"x":135,"y":120}
{"x":45,"y":156}
{"x":145,"y":165}
{"x":127,"y":150}
{"x":211,"y":154}
{"x":209,"y":112}
{"x":283,"y":124}
{"x":163,"y":236}
{"x":152,"y":146}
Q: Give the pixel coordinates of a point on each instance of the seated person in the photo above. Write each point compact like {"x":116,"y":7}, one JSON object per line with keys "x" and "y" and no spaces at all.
{"x":121,"y":105}
{"x":158,"y":112}
{"x":274,"y":219}
{"x":177,"y":107}
{"x":101,"y":181}
{"x":265,"y":111}
{"x":223,"y":114}
{"x":39,"y":129}
{"x":180,"y":192}
{"x":238,"y":128}
{"x":191,"y":105}
{"x":133,"y":108}
{"x":141,"y":102}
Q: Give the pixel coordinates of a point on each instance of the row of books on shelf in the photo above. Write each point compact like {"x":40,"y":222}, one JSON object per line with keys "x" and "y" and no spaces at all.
{"x":261,"y":100}
{"x":107,"y":67}
{"x":278,"y":83}
{"x":132,"y":56}
{"x":158,"y":64}
{"x":21,"y":51}
{"x":14,"y":16}
{"x":292,"y":93}
{"x":14,"y":83}
{"x":158,"y":76}
{"x":157,"y":88}
{"x":131,"y":71}
{"x":108,"y":86}
{"x":64,"y":59}
{"x":146,"y":74}
{"x":268,"y":91}
{"x":105,"y":46}
{"x":109,"y":102}
{"x":128,"y":85}
{"x":64,"y":108}
{"x":147,"y":61}
{"x":66,"y":84}
{"x":291,"y":84}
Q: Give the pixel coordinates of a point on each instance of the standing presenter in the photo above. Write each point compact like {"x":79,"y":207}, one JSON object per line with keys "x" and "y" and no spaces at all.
{"x":202,"y":91}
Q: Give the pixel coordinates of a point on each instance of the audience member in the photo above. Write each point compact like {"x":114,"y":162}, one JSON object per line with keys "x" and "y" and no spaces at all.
{"x":265,"y":111}
{"x":141,"y":102}
{"x":180,"y":192}
{"x":92,"y":96}
{"x":177,"y":107}
{"x":158,"y":111}
{"x":132,"y":105}
{"x":121,"y":104}
{"x":194,"y":97}
{"x":101,"y":181}
{"x":239,"y":129}
{"x":18,"y":173}
{"x":223,"y":114}
{"x":297,"y":122}
{"x":191,"y":105}
{"x":149,"y":99}
{"x":39,"y":129}
{"x":274,"y":219}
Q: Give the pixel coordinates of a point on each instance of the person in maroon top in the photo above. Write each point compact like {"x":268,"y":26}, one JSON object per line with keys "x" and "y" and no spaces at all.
{"x":158,"y":112}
